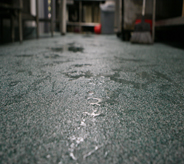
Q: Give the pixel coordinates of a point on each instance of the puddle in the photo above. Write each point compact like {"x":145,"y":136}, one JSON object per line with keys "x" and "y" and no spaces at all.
{"x":61,"y":62}
{"x":18,"y":63}
{"x":20,"y":71}
{"x":150,"y":78}
{"x":13,"y":83}
{"x":123,"y":81}
{"x":160,"y":75}
{"x":52,"y":56}
{"x":15,"y":99}
{"x":54,"y":63}
{"x":57,"y":49}
{"x":137,"y":85}
{"x":128,"y":60}
{"x":69,"y":47}
{"x":75,"y":49}
{"x":148,"y":65}
{"x":71,"y":44}
{"x":143,"y":75}
{"x":122,"y":69}
{"x":87,"y":36}
{"x":81,"y":65}
{"x":24,"y":55}
{"x":165,"y":87}
{"x":169,"y":98}
{"x":30,"y":73}
{"x":77,"y":75}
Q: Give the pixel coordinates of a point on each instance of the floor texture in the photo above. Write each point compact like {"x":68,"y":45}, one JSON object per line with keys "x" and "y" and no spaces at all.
{"x":91,"y":99}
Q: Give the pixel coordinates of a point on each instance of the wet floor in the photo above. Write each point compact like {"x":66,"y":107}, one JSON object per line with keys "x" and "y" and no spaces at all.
{"x":91,"y":99}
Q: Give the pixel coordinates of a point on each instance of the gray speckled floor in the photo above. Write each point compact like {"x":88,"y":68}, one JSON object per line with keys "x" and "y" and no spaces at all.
{"x":91,"y":99}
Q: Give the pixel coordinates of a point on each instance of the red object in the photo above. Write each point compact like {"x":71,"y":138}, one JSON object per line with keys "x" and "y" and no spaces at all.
{"x":97,"y":29}
{"x":146,"y":20}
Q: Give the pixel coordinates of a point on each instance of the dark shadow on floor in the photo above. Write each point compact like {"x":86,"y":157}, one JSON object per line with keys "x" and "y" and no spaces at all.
{"x":171,"y":35}
{"x":179,"y":45}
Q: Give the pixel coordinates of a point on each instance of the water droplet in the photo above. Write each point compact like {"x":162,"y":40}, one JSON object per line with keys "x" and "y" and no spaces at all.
{"x":72,"y":156}
{"x":48,"y":156}
{"x":90,"y":93}
{"x":98,"y":100}
{"x":94,"y":114}
{"x":83,"y":123}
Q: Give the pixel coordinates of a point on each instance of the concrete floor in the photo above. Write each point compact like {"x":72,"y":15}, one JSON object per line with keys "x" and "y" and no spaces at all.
{"x":91,"y":99}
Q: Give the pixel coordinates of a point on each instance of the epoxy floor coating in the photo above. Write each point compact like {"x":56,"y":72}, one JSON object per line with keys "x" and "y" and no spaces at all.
{"x":91,"y":99}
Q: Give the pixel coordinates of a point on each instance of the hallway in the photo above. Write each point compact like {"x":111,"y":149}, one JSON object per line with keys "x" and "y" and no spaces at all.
{"x":91,"y":99}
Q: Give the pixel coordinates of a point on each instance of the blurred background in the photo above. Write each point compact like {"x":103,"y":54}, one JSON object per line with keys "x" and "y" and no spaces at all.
{"x":82,"y":93}
{"x":21,"y":20}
